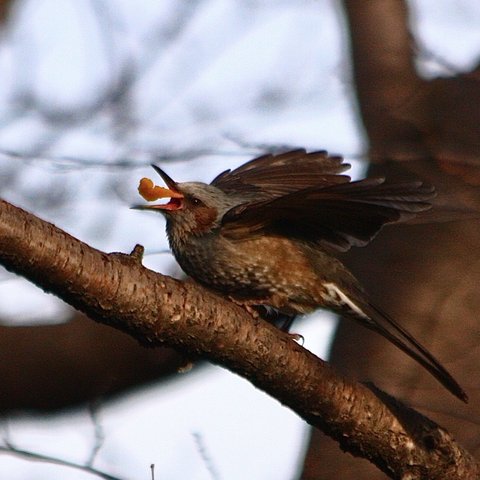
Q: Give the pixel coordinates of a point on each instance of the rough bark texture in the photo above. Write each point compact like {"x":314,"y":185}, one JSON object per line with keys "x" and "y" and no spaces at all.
{"x":425,"y":276}
{"x":114,"y":289}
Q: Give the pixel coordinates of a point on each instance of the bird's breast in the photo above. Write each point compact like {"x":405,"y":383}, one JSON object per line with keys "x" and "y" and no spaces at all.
{"x":253,"y":268}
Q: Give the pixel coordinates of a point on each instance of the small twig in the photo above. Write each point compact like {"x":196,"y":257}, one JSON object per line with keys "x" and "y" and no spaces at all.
{"x":207,"y":460}
{"x":68,"y":162}
{"x":9,"y":448}
{"x":99,"y":435}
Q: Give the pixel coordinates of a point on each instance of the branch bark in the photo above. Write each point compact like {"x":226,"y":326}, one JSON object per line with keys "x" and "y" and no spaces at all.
{"x":116,"y":290}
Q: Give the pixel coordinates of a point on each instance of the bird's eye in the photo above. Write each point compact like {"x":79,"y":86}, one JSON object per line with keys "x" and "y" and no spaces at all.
{"x":196,"y":201}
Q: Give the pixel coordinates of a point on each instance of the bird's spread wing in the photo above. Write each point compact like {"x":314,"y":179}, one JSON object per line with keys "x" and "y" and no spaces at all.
{"x":275,"y":175}
{"x":333,"y":216}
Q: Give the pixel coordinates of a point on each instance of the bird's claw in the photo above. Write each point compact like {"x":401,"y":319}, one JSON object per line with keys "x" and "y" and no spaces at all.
{"x":296,"y":337}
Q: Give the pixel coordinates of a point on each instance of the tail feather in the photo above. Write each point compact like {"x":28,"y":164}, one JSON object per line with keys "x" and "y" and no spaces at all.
{"x":407,"y":343}
{"x":375,"y":319}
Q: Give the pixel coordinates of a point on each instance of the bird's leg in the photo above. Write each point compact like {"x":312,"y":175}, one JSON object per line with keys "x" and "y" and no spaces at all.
{"x":286,"y":321}
{"x":249,"y":305}
{"x":260,"y":308}
{"x":282,"y":320}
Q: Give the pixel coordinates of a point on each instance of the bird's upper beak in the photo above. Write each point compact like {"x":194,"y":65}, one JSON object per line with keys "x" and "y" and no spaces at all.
{"x":151,"y":192}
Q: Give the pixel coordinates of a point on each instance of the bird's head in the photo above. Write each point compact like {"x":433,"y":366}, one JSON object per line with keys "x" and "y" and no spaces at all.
{"x":194,"y":208}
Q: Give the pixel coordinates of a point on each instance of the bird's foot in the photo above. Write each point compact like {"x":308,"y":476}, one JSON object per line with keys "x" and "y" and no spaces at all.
{"x":296,"y":337}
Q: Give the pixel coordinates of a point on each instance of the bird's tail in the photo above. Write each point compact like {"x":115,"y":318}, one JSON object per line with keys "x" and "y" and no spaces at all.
{"x":375,"y":319}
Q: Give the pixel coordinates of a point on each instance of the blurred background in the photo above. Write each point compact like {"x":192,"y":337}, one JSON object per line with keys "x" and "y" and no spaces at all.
{"x":93,"y":92}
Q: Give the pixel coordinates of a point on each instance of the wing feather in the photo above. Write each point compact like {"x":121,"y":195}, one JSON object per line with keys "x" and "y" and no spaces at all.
{"x":276,"y":175}
{"x":334,"y":216}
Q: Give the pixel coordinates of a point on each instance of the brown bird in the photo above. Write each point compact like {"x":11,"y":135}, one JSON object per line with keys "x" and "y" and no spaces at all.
{"x":265,"y":234}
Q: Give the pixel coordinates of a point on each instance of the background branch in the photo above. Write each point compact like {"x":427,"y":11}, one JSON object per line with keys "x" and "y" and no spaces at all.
{"x":49,"y":367}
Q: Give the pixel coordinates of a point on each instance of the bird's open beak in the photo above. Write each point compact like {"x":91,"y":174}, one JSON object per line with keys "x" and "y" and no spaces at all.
{"x":151,"y":192}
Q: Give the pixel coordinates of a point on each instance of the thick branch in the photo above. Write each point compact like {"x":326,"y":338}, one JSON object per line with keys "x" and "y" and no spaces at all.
{"x":383,"y":62}
{"x":115,"y":289}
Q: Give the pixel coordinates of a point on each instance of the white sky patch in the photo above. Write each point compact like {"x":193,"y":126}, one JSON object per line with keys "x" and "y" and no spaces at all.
{"x":449,"y":30}
{"x":62,"y":74}
{"x":33,"y":306}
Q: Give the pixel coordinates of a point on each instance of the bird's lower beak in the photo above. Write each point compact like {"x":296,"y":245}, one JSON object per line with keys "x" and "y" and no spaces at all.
{"x":146,"y":207}
{"x":175,"y":203}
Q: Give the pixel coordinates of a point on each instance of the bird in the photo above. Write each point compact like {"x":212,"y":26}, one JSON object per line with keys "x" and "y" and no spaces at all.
{"x":268,"y":233}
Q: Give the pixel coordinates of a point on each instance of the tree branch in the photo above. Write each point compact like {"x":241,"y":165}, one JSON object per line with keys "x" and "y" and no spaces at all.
{"x":383,"y":62}
{"x":115,"y":289}
{"x":50,"y":367}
